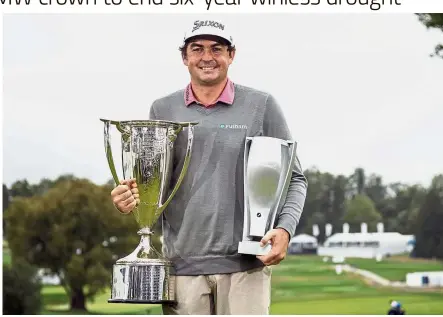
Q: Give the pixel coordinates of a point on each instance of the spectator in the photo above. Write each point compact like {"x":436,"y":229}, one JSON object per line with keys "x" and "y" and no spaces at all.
{"x":396,"y":308}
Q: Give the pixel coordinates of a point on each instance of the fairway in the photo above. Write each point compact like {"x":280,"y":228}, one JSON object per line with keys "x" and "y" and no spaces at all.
{"x":306,"y":285}
{"x":374,"y":305}
{"x":396,"y":268}
{"x":56,"y":302}
{"x":301,"y":285}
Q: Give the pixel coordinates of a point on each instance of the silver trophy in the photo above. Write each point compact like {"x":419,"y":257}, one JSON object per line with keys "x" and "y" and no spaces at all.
{"x":145,"y":276}
{"x":267,"y":172}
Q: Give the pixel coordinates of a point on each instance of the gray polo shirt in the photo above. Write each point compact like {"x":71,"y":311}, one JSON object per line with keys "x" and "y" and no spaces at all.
{"x":203,"y":224}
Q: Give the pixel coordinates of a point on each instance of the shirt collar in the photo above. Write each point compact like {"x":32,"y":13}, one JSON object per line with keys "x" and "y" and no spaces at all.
{"x":227,"y":95}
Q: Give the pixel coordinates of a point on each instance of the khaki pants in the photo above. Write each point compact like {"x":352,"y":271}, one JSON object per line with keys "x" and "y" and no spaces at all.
{"x":242,"y":293}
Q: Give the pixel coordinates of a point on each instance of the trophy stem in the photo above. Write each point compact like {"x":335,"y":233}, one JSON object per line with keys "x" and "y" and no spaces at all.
{"x":145,"y":251}
{"x":145,"y":231}
{"x":145,"y":248}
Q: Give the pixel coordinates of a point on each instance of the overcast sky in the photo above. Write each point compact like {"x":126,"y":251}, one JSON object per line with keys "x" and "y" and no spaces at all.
{"x":357,"y":90}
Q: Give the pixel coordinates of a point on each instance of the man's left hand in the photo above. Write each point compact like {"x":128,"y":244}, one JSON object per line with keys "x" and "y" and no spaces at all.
{"x":279,"y":239}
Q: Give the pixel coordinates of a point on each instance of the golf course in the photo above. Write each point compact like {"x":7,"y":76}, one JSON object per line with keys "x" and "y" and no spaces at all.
{"x":305,"y":285}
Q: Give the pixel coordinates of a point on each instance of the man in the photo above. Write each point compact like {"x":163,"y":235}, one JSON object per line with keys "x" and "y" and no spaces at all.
{"x":203,"y":224}
{"x":396,"y":308}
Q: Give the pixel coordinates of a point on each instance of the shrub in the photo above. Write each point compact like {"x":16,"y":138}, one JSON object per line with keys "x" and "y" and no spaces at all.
{"x":21,"y":289}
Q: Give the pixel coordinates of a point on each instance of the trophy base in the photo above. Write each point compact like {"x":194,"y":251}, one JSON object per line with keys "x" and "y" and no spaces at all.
{"x":143,"y":282}
{"x":122,"y":301}
{"x":253,"y":248}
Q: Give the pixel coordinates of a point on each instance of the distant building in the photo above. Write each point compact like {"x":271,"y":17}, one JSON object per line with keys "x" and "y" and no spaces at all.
{"x":366,"y":245}
{"x":303,"y":244}
{"x":425,"y":279}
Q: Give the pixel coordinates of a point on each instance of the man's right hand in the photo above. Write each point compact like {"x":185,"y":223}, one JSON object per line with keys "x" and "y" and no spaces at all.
{"x":125,"y":196}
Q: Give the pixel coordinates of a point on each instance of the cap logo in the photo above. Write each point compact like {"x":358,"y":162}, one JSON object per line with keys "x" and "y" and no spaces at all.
{"x":198,"y":24}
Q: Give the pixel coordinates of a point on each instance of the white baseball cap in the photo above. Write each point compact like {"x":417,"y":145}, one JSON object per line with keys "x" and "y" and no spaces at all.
{"x":209,"y":27}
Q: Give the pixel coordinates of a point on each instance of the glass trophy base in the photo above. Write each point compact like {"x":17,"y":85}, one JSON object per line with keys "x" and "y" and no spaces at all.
{"x":253,"y":248}
{"x":146,"y":281}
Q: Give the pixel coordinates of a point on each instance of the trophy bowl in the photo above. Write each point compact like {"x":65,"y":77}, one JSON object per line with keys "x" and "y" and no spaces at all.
{"x":145,"y":276}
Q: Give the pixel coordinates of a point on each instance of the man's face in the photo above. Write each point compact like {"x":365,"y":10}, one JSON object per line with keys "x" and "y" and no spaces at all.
{"x":208,"y":61}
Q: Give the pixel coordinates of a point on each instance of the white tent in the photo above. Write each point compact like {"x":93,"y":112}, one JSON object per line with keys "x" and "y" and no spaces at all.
{"x":303,"y":243}
{"x":304,"y":238}
{"x":365,"y":245}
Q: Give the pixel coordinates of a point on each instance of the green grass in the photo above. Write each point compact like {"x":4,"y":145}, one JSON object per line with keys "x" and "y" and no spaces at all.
{"x":396,"y":268}
{"x":305,"y":285}
{"x":374,"y":305}
{"x":6,"y":256}
{"x":308,"y":278}
{"x":56,"y":302}
{"x":300,"y":285}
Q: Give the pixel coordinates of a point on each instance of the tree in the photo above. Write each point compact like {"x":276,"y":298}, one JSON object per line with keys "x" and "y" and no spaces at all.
{"x":360,"y":180}
{"x":433,"y":21}
{"x":361,"y":209}
{"x":429,"y":229}
{"x":21,"y":188}
{"x":6,"y":198}
{"x":407,"y":204}
{"x":310,"y":206}
{"x":73,"y":231}
{"x":357,"y":182}
{"x":339,"y":203}
{"x":319,"y":202}
{"x":21,"y":289}
{"x":376,"y":190}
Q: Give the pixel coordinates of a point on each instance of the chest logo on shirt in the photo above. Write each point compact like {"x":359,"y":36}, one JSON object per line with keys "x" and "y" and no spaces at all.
{"x":234,"y":126}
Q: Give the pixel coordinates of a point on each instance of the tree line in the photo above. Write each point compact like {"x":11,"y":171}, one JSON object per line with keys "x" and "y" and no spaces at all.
{"x":357,"y":198}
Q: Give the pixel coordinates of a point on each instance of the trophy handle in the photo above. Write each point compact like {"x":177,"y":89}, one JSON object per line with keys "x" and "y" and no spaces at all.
{"x":108,"y":151}
{"x":190,"y":126}
{"x":284,"y":184}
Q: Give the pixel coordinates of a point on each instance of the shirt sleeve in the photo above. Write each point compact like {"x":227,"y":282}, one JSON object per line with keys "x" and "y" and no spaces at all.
{"x":275,"y":125}
{"x":152,"y":114}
